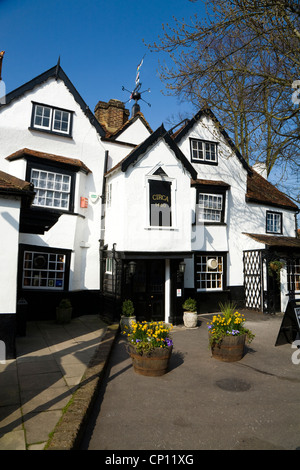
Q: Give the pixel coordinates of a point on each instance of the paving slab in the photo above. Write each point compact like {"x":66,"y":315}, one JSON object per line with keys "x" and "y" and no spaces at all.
{"x":37,"y":386}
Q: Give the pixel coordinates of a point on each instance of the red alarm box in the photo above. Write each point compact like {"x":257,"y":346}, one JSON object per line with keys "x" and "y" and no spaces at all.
{"x":84,"y":202}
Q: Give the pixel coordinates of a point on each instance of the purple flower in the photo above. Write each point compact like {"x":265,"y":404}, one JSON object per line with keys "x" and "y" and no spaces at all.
{"x":137,"y":340}
{"x":169,"y":342}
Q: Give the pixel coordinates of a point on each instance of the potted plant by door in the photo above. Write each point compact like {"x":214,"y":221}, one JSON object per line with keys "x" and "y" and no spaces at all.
{"x":227,"y":334}
{"x":150,"y":347}
{"x":190,"y":317}
{"x":64,"y":311}
{"x":127,"y":316}
{"x":275,"y":268}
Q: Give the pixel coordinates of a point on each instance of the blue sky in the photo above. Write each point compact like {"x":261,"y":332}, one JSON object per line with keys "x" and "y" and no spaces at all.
{"x":100,"y":44}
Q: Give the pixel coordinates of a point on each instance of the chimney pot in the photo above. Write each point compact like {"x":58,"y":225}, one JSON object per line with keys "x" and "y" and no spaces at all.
{"x":111,"y":115}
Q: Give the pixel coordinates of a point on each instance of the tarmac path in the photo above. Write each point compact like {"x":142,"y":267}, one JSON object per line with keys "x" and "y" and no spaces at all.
{"x":201,"y":403}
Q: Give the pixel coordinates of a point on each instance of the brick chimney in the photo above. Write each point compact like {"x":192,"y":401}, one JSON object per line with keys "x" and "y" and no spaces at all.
{"x":111,"y":115}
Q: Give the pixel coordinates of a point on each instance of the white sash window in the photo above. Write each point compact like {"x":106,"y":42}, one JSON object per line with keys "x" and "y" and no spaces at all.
{"x":210,"y":207}
{"x":52,"y":189}
{"x":50,"y":119}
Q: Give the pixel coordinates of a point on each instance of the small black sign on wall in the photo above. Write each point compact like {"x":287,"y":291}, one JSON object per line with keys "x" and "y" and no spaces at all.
{"x":290,"y":325}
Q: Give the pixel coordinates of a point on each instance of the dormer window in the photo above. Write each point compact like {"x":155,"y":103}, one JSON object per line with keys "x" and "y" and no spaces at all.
{"x":50,"y":119}
{"x":203,"y":151}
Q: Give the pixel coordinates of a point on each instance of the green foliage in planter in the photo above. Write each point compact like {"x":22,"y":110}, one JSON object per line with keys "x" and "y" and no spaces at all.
{"x":275,"y":268}
{"x":228,"y":323}
{"x":65,"y":303}
{"x":190,"y":305}
{"x":127,"y":308}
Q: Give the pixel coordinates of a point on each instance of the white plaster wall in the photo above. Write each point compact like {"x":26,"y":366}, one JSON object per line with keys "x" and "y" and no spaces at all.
{"x":17,"y":117}
{"x":219,"y":238}
{"x":136,"y":133}
{"x":71,"y":231}
{"x":9,"y":230}
{"x":116,"y":152}
{"x":240,"y":217}
{"x":127,"y":220}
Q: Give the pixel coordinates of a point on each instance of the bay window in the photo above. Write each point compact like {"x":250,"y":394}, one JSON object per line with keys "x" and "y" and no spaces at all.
{"x":53,"y":185}
{"x":52,"y":189}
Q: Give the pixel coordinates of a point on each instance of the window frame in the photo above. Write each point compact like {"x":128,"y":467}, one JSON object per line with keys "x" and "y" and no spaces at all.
{"x":158,"y":174}
{"x":160,"y":216}
{"x":211,"y":272}
{"x":216,"y":211}
{"x":109,"y":266}
{"x":211,"y":190}
{"x":50,"y":129}
{"x":203,"y":160}
{"x":50,"y":274}
{"x":57,"y":169}
{"x":293,"y":275}
{"x":279,"y":215}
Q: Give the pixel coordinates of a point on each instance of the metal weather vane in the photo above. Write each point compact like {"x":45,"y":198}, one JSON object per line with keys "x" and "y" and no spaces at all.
{"x":136,"y":93}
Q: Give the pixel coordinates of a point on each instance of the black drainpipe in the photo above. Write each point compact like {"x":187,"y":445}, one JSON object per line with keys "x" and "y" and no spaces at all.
{"x":101,"y":241}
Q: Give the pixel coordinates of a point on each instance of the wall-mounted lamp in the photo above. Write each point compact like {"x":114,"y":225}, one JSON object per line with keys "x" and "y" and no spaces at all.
{"x":182,"y":267}
{"x":131,"y":268}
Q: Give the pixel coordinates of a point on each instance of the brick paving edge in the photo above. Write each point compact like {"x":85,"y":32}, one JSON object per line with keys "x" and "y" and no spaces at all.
{"x":69,"y":430}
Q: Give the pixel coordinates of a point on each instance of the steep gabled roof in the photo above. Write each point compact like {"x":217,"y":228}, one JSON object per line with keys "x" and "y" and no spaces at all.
{"x":261,"y":191}
{"x":57,"y":73}
{"x":208,"y":113}
{"x":160,"y":133}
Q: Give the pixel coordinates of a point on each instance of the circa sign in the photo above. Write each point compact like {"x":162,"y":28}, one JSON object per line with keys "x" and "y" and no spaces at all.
{"x":160,"y":203}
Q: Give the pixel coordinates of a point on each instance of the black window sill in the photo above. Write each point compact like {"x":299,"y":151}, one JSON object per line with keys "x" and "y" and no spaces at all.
{"x":204,"y":162}
{"x":47,"y":131}
{"x":209,"y":223}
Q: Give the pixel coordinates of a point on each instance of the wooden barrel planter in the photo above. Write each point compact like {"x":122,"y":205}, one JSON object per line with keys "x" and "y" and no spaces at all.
{"x":152,"y":363}
{"x":230,"y":349}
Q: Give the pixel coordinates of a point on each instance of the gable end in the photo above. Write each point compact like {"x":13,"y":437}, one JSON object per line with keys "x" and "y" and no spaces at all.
{"x":55,"y":72}
{"x":207,"y":112}
{"x":142,"y":148}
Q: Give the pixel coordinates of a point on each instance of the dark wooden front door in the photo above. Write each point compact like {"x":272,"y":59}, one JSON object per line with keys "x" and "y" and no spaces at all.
{"x":148,"y":285}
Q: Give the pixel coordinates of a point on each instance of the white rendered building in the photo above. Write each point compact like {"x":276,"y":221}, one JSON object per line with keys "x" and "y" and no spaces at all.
{"x":51,"y":139}
{"x":187,"y":200}
{"x":120,"y":211}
